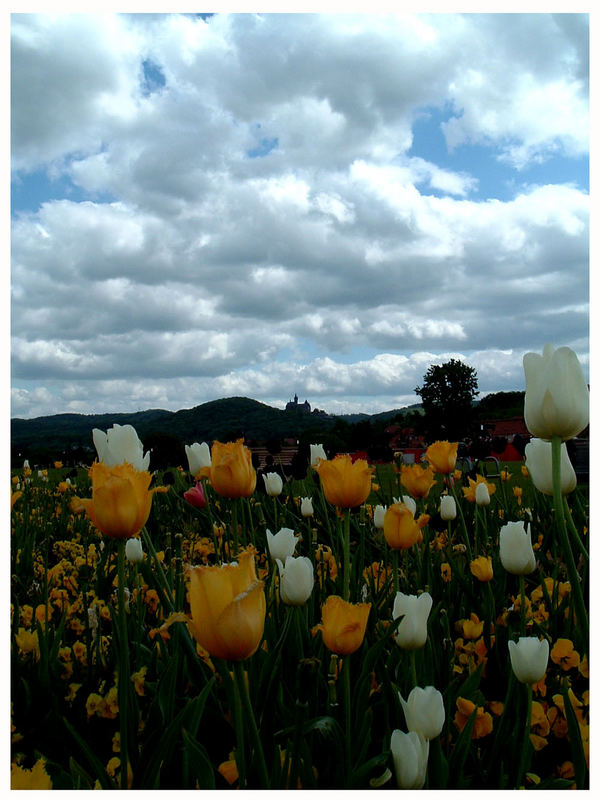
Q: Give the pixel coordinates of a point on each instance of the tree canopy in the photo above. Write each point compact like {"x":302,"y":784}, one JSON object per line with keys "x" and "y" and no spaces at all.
{"x":447,"y":395}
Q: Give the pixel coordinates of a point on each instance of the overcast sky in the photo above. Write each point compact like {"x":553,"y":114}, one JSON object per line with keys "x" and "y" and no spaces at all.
{"x":262,"y":205}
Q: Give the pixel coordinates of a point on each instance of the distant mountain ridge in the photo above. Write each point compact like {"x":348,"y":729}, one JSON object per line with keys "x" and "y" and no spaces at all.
{"x":223,"y":419}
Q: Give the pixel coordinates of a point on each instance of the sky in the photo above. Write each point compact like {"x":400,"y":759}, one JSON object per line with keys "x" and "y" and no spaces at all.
{"x":318,"y":204}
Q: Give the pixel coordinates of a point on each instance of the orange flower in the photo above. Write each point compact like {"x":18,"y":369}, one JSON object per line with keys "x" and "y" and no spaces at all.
{"x":564,"y":654}
{"x":228,"y":608}
{"x":121,"y":499}
{"x":345,"y":484}
{"x":417,"y":480}
{"x":399,"y":527}
{"x":446,"y":571}
{"x":231,"y":472}
{"x":469,"y":492}
{"x":442,"y":456}
{"x":481,"y":568}
{"x":344,"y":625}
{"x":483,"y":720}
{"x":34,"y":778}
{"x":518,"y":493}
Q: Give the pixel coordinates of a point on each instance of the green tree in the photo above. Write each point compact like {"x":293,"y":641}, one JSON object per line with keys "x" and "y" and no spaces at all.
{"x":447,"y":395}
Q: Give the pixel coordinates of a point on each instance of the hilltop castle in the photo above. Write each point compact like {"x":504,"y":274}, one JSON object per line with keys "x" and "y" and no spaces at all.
{"x":294,"y":404}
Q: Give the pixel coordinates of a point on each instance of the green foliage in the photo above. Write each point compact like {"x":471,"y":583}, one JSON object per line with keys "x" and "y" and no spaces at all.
{"x":447,"y":393}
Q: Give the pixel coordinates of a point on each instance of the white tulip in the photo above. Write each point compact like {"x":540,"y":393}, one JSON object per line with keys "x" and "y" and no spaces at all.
{"x":273,"y":484}
{"x":556,"y":394}
{"x":447,"y":507}
{"x":306,"y":507}
{"x":296,"y":580}
{"x":317,"y":453}
{"x":198,"y":456}
{"x":134,"y":551}
{"x":538,"y":460}
{"x":424,"y":711}
{"x":411,"y":634}
{"x":482,"y":495}
{"x":26,"y":464}
{"x":120,"y":444}
{"x":516,"y":552}
{"x":282,"y":544}
{"x":408,"y":501}
{"x":379,"y":516}
{"x":529,"y":658}
{"x":410,"y":752}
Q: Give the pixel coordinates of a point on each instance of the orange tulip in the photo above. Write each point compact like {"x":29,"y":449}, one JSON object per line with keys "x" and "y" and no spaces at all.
{"x":121,"y":499}
{"x":345,"y":484}
{"x":442,"y":456}
{"x":481,"y":568}
{"x":231,"y":472}
{"x":400,"y":529}
{"x":417,"y":480}
{"x":344,"y":625}
{"x":228,"y":608}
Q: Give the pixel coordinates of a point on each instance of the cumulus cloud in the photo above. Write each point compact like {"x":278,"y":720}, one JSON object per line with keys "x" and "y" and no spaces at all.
{"x":253,"y":219}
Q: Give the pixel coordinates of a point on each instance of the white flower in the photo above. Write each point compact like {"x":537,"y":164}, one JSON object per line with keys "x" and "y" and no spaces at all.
{"x":198,"y":456}
{"x":408,"y":501}
{"x":538,"y":460}
{"x":26,"y":464}
{"x":120,"y":444}
{"x":282,"y":544}
{"x":556,"y":394}
{"x":379,"y":516}
{"x":410,"y":752}
{"x":482,"y":495}
{"x":529,"y":658}
{"x":273,"y":484}
{"x":447,"y":507}
{"x":424,"y":711}
{"x":516,"y":552}
{"x":296,"y":580}
{"x":134,"y":551}
{"x":306,"y":507}
{"x":411,"y":634}
{"x":317,"y":452}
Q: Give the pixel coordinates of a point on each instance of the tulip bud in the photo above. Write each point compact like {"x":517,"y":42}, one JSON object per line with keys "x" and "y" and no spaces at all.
{"x":273,"y":484}
{"x":482,"y":569}
{"x":399,"y":527}
{"x":306,"y":507}
{"x":317,"y":452}
{"x":195,"y":496}
{"x":281,"y":545}
{"x":482,"y":495}
{"x":516,"y":552}
{"x":410,"y":752}
{"x":556,"y":394}
{"x":198,"y":456}
{"x":134,"y":551}
{"x":120,"y":445}
{"x":424,"y":711}
{"x":447,"y":507}
{"x":296,"y":580}
{"x":26,"y":464}
{"x":411,"y":634}
{"x":538,"y":460}
{"x":529,"y":658}
{"x":378,"y":516}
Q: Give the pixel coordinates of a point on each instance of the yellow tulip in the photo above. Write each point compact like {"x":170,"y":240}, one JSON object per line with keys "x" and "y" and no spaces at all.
{"x":344,"y":625}
{"x":34,"y":778}
{"x":400,"y":529}
{"x":481,"y":568}
{"x":417,"y":480}
{"x":345,"y":484}
{"x":228,"y":608}
{"x":121,"y":500}
{"x":442,"y":456}
{"x":231,"y":473}
{"x":469,"y":492}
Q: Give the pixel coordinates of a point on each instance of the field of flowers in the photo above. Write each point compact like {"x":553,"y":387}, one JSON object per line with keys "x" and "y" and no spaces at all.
{"x":412,"y":627}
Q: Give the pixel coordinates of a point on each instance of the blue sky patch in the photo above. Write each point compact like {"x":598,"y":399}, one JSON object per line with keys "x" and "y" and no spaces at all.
{"x":29,"y":191}
{"x":153,"y":78}
{"x":264,"y":147}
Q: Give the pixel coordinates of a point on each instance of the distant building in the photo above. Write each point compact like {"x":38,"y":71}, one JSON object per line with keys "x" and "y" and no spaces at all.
{"x":294,"y":405}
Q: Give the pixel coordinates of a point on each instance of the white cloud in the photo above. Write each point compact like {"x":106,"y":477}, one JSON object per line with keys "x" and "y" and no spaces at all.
{"x":258,"y":224}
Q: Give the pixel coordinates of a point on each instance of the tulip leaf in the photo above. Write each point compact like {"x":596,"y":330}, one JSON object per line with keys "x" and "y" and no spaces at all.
{"x":200,"y":762}
{"x":461,"y":751}
{"x":98,"y":767}
{"x":359,"y":776}
{"x":575,"y":740}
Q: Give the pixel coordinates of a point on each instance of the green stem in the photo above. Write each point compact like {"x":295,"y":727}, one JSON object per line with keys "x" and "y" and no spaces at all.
{"x":346,"y":544}
{"x":526,"y":749}
{"x":582,"y":618}
{"x":234,"y":525}
{"x":232,"y":689}
{"x":240,"y":680}
{"x":347,"y":714}
{"x":522,"y":592}
{"x":574,"y":531}
{"x":464,"y":524}
{"x":395,"y":576}
{"x":413,"y":668}
{"x":123,"y":676}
